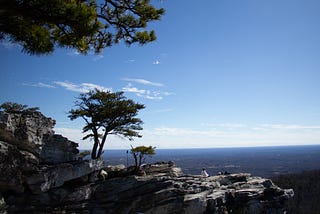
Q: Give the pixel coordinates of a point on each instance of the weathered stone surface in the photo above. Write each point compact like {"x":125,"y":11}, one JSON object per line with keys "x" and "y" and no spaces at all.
{"x":162,"y":193}
{"x":27,"y":127}
{"x":40,"y":173}
{"x":58,"y":149}
{"x":116,"y":168}
{"x":163,"y":167}
{"x":55,"y":176}
{"x":33,"y":132}
{"x":13,"y":164}
{"x":27,"y":141}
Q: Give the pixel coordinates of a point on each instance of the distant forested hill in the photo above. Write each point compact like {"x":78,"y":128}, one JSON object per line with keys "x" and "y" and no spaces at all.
{"x":306,"y":187}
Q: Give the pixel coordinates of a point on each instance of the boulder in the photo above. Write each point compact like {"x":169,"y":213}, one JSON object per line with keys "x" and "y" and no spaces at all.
{"x":111,"y":171}
{"x":168,"y":168}
{"x":58,"y":149}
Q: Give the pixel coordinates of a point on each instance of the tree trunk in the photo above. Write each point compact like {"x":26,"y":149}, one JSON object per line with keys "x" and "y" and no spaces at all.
{"x":96,"y":144}
{"x":140,"y":159}
{"x":135,"y":160}
{"x":94,"y":150}
{"x":102,"y":144}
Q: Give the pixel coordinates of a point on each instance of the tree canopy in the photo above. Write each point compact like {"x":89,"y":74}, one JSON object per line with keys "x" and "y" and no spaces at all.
{"x":140,"y":152}
{"x":40,"y":25}
{"x":107,"y":113}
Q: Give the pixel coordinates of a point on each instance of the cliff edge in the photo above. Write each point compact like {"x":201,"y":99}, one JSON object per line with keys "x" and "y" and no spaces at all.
{"x":41,"y":172}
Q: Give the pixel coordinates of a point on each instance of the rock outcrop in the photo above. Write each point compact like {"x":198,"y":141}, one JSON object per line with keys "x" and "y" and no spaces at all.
{"x":33,"y":132}
{"x":42,"y":173}
{"x":160,"y":193}
{"x":55,"y":176}
{"x":33,"y":158}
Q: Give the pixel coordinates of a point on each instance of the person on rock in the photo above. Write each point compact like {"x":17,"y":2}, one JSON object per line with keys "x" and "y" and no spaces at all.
{"x":204,"y":173}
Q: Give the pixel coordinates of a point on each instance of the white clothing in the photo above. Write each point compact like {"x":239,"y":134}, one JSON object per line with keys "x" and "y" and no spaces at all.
{"x":204,"y":174}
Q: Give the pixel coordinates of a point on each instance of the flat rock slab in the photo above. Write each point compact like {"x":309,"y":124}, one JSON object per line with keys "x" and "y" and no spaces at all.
{"x":56,"y":176}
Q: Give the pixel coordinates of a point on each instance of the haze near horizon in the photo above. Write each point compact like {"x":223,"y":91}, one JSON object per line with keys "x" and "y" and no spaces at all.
{"x":220,"y":74}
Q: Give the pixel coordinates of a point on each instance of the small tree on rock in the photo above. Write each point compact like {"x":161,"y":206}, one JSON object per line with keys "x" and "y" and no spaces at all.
{"x":11,"y":107}
{"x":140,"y":152}
{"x":107,"y":113}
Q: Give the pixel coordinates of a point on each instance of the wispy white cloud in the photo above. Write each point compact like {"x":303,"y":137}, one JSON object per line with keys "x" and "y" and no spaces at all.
{"x":131,"y":89}
{"x":76,"y":135}
{"x":156,"y":62}
{"x":177,"y":137}
{"x":182,"y":137}
{"x":130,"y":61}
{"x":288,"y":126}
{"x":174,"y":131}
{"x":39,"y":84}
{"x":73,"y":53}
{"x":232,"y":125}
{"x":97,"y":57}
{"x":164,"y":110}
{"x":148,"y":94}
{"x":225,"y":125}
{"x":94,"y":56}
{"x":143,"y":81}
{"x":163,"y":55}
{"x":145,"y":93}
{"x":261,"y":127}
{"x":82,"y":87}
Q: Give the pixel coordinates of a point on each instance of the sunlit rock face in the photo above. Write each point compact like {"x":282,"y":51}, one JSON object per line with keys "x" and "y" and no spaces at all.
{"x":34,"y":132}
{"x":157,"y":191}
{"x":163,"y":193}
{"x":27,"y":127}
{"x":27,"y":144}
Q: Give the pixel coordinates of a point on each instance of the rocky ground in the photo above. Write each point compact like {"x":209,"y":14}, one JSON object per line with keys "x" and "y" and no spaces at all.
{"x":43,"y":173}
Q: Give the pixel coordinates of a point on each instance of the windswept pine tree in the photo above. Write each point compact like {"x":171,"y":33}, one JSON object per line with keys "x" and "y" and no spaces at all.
{"x":40,"y":25}
{"x":107,"y":113}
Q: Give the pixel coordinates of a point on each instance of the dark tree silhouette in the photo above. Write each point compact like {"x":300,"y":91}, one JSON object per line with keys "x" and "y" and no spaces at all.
{"x":11,"y":107}
{"x":40,"y":25}
{"x":139,"y":154}
{"x":107,"y":113}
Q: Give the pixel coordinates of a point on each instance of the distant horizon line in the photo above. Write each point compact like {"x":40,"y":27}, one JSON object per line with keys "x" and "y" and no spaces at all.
{"x":236,"y":147}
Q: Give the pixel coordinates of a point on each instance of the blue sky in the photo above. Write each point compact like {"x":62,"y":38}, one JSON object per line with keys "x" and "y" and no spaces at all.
{"x":222,"y":73}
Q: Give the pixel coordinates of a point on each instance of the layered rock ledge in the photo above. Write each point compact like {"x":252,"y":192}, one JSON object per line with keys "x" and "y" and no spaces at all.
{"x":160,"y":193}
{"x":41,"y":172}
{"x":165,"y":192}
